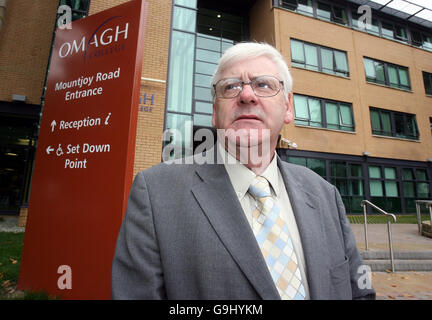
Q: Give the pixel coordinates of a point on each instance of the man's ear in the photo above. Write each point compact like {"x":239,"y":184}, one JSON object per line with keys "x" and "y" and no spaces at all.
{"x":289,"y":113}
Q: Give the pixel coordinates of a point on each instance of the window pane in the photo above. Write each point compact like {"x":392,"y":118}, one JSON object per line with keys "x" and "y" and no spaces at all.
{"x":408,"y":189}
{"x":401,"y":33}
{"x":184,"y":19}
{"x":186,"y":3}
{"x":379,"y":69}
{"x":324,"y":11}
{"x":374,"y":172}
{"x":311,"y":57}
{"x":316,"y":165}
{"x":327,"y":60}
{"x":373,"y":28}
{"x":421,"y":175}
{"x":390,"y":173}
{"x":203,"y":94}
{"x":423,"y":190}
{"x":305,"y":6}
{"x":202,"y":120}
{"x":202,"y":80}
{"x":332,"y":114}
{"x":206,"y":55}
{"x":341,"y":61}
{"x":356,"y":170}
{"x":412,"y":131}
{"x":369,"y":68}
{"x":315,"y":112}
{"x":338,"y":169}
{"x":297,"y":53}
{"x":203,"y":107}
{"x":427,"y":79}
{"x":387,"y":30}
{"x":301,"y":107}
{"x":340,"y":15}
{"x":208,"y":43}
{"x":393,"y":77}
{"x":297,"y":160}
{"x":346,"y":114}
{"x":181,"y":72}
{"x":205,"y":67}
{"x":356,"y":187}
{"x":376,"y":189}
{"x":403,"y":77}
{"x":183,"y":140}
{"x":407,"y":174}
{"x":375,"y":121}
{"x":386,"y":123}
{"x":399,"y":125}
{"x":391,"y":189}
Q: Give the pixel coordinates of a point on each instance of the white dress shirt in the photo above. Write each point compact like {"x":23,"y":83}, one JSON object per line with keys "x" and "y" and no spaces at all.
{"x":241,"y":178}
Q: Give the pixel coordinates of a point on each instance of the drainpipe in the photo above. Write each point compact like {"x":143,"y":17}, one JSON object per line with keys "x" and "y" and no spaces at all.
{"x":3,"y":5}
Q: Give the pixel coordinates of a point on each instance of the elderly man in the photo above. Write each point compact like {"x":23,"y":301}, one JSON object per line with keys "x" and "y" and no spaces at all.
{"x":247,"y":225}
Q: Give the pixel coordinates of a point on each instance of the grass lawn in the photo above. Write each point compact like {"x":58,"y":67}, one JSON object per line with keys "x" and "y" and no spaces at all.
{"x":376,"y":219}
{"x":10,"y":257}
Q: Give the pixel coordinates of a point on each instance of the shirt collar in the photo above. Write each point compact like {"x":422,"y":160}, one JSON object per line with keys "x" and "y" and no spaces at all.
{"x":241,"y":177}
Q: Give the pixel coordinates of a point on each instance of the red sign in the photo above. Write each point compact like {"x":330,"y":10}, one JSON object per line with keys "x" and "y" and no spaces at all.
{"x":85,"y":155}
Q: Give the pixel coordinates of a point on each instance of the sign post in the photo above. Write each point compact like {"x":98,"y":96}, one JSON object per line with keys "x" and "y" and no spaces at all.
{"x":84,"y":160}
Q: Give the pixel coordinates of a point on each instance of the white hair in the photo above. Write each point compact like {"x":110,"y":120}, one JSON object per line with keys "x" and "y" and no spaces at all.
{"x":250,"y":50}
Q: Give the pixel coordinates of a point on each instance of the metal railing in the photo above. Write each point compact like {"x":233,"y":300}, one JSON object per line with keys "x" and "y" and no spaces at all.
{"x":363,"y":204}
{"x":428,"y":204}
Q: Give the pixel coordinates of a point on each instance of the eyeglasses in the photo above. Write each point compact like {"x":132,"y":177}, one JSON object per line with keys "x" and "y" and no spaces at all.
{"x":262,"y":86}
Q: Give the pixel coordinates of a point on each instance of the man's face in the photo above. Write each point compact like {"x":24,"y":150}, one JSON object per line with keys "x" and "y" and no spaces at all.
{"x":248,"y":111}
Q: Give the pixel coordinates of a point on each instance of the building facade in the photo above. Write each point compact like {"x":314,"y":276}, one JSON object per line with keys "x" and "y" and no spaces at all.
{"x":362,"y":91}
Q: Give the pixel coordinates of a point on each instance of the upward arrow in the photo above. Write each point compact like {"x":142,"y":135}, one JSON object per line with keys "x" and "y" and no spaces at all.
{"x":53,"y":124}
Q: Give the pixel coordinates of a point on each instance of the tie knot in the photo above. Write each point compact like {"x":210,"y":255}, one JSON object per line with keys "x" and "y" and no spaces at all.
{"x":260,"y":188}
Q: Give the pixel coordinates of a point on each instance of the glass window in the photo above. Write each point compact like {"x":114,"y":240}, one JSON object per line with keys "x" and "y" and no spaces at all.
{"x":341,"y":61}
{"x":184,"y":19}
{"x":203,"y":94}
{"x":301,"y":107}
{"x":305,"y":6}
{"x":203,"y":107}
{"x":427,"y":80}
{"x":297,"y":160}
{"x":181,"y":72}
{"x":315,"y":112}
{"x":374,"y":172}
{"x":297,"y":53}
{"x":393,"y":75}
{"x":202,"y":120}
{"x":186,"y":3}
{"x":311,"y":57}
{"x":387,"y":74}
{"x":346,"y":115}
{"x":387,"y":30}
{"x":332,"y":115}
{"x":327,"y":59}
{"x":319,"y":58}
{"x":324,"y":11}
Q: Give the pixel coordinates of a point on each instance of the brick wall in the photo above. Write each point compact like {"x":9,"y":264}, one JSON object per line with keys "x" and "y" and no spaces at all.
{"x":25,"y":40}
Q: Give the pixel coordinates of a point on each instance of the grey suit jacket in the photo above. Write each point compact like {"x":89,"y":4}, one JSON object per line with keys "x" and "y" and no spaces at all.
{"x":185,"y":236}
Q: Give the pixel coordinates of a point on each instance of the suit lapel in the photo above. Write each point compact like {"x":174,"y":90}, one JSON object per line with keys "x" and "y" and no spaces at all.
{"x":218,"y":201}
{"x":306,"y":208}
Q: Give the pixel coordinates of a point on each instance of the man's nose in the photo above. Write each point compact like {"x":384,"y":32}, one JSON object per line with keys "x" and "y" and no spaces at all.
{"x":247,"y":95}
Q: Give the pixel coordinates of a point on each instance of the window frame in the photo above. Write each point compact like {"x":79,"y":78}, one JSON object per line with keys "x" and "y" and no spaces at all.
{"x":319,"y":49}
{"x":323,"y":112}
{"x":387,"y":81}
{"x":394,"y":133}
{"x":428,"y":75}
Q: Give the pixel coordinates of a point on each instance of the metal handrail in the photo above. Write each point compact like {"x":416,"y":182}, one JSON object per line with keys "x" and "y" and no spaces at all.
{"x":363,"y":204}
{"x":428,"y":204}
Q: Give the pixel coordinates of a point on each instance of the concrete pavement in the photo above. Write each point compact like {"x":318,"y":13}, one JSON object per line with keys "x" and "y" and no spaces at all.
{"x":401,"y":285}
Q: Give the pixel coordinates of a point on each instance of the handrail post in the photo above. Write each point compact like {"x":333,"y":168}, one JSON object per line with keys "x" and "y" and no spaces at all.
{"x":418,"y":217}
{"x":390,"y":244}
{"x":365,"y":226}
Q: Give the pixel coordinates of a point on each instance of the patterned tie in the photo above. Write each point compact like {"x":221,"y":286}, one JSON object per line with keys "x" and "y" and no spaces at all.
{"x":275,"y":242}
